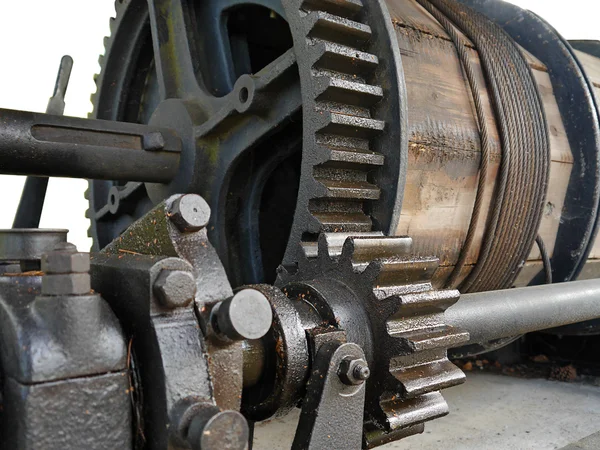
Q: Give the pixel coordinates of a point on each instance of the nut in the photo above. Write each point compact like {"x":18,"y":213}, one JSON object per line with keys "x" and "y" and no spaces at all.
{"x":190,"y":213}
{"x":65,"y":262}
{"x":354,"y":371}
{"x":66,"y":284}
{"x":175,"y":288}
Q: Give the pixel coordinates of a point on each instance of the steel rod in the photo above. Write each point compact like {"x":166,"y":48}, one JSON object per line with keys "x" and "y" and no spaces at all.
{"x":31,"y":205}
{"x":54,"y":146}
{"x":512,"y":312}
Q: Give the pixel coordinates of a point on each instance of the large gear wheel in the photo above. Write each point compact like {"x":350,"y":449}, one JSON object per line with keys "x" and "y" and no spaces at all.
{"x":351,"y":170}
{"x":340,"y":172}
{"x":128,"y":91}
{"x":371,"y":287}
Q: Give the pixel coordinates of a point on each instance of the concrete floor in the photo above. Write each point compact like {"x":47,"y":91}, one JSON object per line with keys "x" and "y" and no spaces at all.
{"x":489,"y":412}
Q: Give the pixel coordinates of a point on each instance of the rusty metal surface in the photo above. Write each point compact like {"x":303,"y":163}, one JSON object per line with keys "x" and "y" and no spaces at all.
{"x":347,"y":118}
{"x":383,"y":298}
{"x":332,"y":411}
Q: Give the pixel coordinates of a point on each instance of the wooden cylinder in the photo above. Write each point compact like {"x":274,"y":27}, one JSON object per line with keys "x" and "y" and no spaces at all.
{"x":444,"y":152}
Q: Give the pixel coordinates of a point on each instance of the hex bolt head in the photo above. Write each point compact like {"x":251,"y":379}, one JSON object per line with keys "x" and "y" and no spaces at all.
{"x":66,"y":271}
{"x":247,"y":315}
{"x":65,"y":258}
{"x":66,"y":284}
{"x":354,"y":371}
{"x":175,"y":288}
{"x":211,"y":429}
{"x":190,"y":213}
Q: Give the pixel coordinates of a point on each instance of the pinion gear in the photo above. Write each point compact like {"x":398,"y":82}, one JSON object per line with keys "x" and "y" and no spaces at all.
{"x":401,"y":327}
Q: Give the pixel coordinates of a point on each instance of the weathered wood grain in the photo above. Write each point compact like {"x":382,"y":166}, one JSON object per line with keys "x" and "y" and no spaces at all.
{"x":445,"y":148}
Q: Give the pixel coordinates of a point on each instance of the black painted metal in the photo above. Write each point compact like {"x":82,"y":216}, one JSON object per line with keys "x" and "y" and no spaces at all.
{"x":170,"y":360}
{"x":332,"y":411}
{"x":579,"y":111}
{"x":227,"y":140}
{"x":29,"y":211}
{"x":63,"y":367}
{"x":46,"y":145}
{"x":285,"y":361}
{"x":383,"y":210}
{"x":180,"y":361}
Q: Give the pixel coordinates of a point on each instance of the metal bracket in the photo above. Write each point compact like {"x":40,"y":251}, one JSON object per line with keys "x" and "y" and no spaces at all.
{"x":332,"y":410}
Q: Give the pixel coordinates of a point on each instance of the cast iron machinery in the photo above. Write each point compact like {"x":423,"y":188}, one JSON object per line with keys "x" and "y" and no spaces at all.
{"x":256,"y":168}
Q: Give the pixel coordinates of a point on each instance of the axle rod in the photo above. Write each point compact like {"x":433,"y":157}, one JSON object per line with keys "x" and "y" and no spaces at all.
{"x":499,"y":314}
{"x":54,"y":146}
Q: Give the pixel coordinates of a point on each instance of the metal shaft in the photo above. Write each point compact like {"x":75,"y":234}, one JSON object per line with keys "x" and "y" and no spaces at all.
{"x":29,"y":211}
{"x":498,"y":314}
{"x":46,"y":145}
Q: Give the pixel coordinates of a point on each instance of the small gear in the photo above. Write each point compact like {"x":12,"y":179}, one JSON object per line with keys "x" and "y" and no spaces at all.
{"x":401,"y":325}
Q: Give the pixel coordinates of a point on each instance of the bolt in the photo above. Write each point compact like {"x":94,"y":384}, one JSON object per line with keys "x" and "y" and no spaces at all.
{"x":247,"y":315}
{"x":175,"y":288}
{"x":153,"y":141}
{"x":354,"y":371}
{"x":66,"y":271}
{"x":212,"y":429}
{"x":189,"y":213}
{"x":64,"y":259}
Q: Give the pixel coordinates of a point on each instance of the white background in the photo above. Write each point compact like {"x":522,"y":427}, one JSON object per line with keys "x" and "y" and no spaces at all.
{"x":34,"y":34}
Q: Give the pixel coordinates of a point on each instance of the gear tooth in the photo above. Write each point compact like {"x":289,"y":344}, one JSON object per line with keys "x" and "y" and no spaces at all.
{"x":426,"y":377}
{"x":442,"y":337}
{"x":432,"y":301}
{"x":333,"y":243}
{"x":343,"y":221}
{"x":341,"y":30}
{"x":348,"y":247}
{"x":403,"y":414}
{"x":352,"y":189}
{"x":323,"y":245}
{"x":332,"y":88}
{"x":403,"y":275}
{"x":345,"y":8}
{"x":369,"y":248}
{"x":343,"y":158}
{"x":341,"y":58}
{"x":349,"y":125}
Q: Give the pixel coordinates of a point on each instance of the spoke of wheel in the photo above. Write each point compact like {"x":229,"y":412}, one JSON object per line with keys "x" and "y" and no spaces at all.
{"x":214,"y":47}
{"x":172,"y":51}
{"x":246,"y":131}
